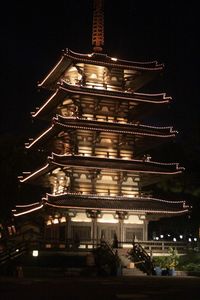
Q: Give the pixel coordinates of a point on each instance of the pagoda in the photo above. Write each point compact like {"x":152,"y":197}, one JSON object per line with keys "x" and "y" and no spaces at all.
{"x":97,"y":168}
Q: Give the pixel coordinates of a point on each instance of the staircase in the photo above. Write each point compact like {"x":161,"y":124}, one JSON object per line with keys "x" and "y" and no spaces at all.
{"x":141,"y":259}
{"x":9,"y":258}
{"x":129,"y":268}
{"x":132,"y":272}
{"x":16,"y":248}
{"x":104,"y":260}
{"x":107,"y":260}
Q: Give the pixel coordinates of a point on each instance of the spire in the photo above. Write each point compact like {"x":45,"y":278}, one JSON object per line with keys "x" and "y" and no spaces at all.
{"x":98,"y":26}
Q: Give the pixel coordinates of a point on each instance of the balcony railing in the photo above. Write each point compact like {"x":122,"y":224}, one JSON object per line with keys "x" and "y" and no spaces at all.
{"x":151,"y":247}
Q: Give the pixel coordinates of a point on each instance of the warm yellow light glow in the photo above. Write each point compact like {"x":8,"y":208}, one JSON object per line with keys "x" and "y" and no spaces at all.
{"x":114,"y":58}
{"x":35,"y":253}
{"x":67,"y":101}
{"x":106,"y":140}
{"x":72,"y":69}
{"x":127,"y":245}
{"x":99,"y":88}
{"x":133,"y":219}
{"x":93,"y":76}
{"x":107,"y":218}
{"x":55,"y":221}
{"x":62,"y":220}
{"x":106,"y":178}
{"x":88,"y":116}
{"x":81,"y":217}
{"x":122,"y":122}
{"x":137,"y":179}
{"x":48,"y":222}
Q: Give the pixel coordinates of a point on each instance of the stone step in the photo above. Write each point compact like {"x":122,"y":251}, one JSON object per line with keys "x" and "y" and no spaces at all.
{"x":132,"y":272}
{"x":125,"y":261}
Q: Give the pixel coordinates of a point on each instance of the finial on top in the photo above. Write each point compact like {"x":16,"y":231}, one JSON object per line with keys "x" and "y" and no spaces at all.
{"x":98,"y":26}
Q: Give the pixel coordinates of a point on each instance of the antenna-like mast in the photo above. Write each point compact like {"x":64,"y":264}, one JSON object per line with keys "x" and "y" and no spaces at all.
{"x":98,"y":26}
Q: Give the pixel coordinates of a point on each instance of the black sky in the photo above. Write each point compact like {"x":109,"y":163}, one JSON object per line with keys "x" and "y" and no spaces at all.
{"x":34,"y":33}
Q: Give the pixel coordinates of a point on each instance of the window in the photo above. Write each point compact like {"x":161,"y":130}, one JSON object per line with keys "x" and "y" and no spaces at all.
{"x":131,"y":232}
{"x":82,"y":232}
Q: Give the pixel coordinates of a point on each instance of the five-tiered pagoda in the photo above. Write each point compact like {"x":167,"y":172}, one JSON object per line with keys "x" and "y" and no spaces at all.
{"x":97,"y":163}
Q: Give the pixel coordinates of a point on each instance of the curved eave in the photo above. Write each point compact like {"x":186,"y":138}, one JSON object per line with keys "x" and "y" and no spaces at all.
{"x":70,"y":57}
{"x":109,"y":203}
{"x":113,"y":164}
{"x":118,"y":203}
{"x":21,"y":210}
{"x":115,"y":127}
{"x":137,"y":97}
{"x":117,"y":164}
{"x":67,"y":123}
{"x":66,"y":89}
{"x":101,"y":57}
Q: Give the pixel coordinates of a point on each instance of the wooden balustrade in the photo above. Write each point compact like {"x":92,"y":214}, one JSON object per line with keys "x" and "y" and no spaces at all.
{"x":151,"y":247}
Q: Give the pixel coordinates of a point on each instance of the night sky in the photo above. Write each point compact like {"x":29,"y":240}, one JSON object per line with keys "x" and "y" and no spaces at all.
{"x":34,"y":33}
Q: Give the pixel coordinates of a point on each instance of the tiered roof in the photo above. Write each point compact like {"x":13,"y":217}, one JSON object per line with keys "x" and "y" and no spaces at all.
{"x":139,"y":101}
{"x":138,"y":73}
{"x":97,"y":202}
{"x":117,"y":81}
{"x":150,"y":171}
{"x":147,"y":136}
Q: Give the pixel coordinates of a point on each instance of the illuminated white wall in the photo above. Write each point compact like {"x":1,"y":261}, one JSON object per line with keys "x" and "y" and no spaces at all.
{"x":107,"y":218}
{"x":133,"y":219}
{"x":81,"y":217}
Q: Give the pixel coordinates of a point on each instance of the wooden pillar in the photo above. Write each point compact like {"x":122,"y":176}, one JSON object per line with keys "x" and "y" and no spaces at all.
{"x":69,"y":235}
{"x":145,"y":231}
{"x":121,"y":216}
{"x":93,"y":215}
{"x":121,"y":237}
{"x":94,"y":231}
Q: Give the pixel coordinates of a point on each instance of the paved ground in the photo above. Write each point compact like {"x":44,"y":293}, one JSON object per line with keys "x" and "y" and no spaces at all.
{"x":137,"y":288}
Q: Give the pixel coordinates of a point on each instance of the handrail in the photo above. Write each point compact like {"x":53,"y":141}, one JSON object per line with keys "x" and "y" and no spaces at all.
{"x":139,"y":256}
{"x":69,"y":244}
{"x":107,"y":260}
{"x":12,"y":253}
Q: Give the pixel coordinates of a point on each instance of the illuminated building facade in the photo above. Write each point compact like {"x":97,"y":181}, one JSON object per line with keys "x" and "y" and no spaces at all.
{"x":97,"y":163}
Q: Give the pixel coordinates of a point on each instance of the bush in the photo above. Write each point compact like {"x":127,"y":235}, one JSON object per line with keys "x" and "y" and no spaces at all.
{"x":167,"y":262}
{"x":173,"y":259}
{"x":189,"y":262}
{"x":191,"y":267}
{"x":160,"y":261}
